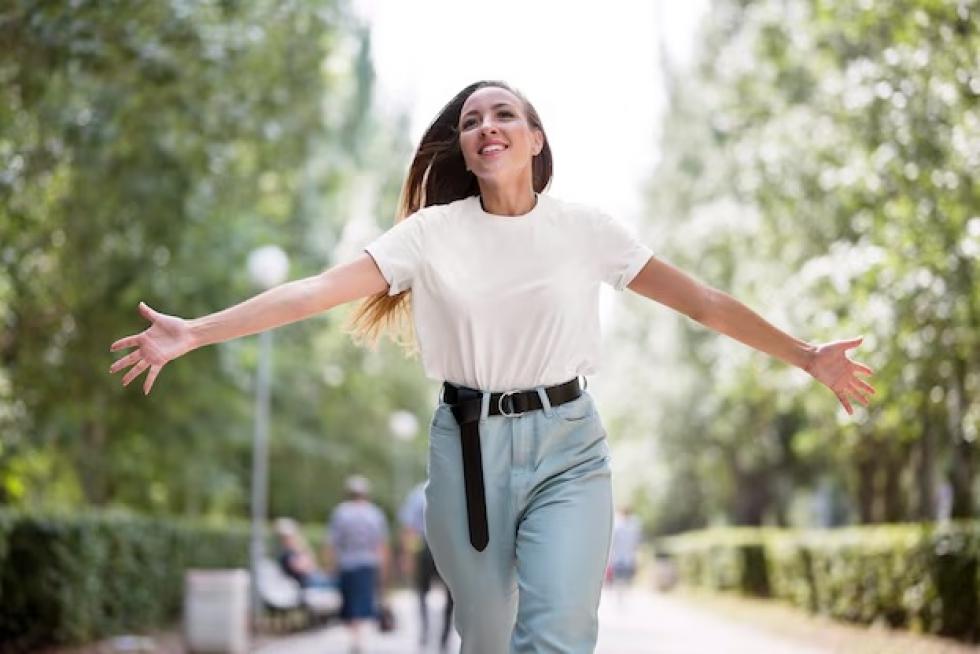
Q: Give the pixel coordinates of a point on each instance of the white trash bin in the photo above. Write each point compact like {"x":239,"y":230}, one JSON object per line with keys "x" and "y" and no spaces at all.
{"x":216,"y":611}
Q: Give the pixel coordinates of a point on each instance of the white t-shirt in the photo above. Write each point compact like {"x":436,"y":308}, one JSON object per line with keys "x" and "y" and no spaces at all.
{"x":507,"y":303}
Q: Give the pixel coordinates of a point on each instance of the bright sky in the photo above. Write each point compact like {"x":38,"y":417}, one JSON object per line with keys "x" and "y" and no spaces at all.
{"x":591,"y":69}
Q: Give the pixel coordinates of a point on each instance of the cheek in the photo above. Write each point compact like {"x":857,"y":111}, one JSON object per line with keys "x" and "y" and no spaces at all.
{"x":466,"y":147}
{"x":521,"y":142}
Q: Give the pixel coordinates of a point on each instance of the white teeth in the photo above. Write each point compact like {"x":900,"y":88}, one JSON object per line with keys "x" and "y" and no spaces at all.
{"x":494,"y":147}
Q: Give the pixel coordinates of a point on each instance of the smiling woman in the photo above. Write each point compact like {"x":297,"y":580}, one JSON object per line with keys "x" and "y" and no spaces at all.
{"x":503,"y":282}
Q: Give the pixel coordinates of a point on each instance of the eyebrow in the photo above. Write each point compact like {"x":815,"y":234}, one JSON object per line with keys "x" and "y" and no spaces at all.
{"x":496,"y":106}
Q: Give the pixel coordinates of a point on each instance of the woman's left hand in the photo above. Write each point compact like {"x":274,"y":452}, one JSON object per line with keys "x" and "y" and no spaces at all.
{"x":831,"y":366}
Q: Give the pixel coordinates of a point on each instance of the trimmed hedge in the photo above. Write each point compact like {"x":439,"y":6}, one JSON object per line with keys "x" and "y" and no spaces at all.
{"x":726,"y":560}
{"x":67,"y":579}
{"x":923,"y":577}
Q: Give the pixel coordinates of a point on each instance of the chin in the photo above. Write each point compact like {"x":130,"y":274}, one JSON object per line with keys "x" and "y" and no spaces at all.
{"x":495,"y":175}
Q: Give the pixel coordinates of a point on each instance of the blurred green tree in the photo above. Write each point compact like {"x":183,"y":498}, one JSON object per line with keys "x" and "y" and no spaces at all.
{"x":819,"y":163}
{"x":145,"y":150}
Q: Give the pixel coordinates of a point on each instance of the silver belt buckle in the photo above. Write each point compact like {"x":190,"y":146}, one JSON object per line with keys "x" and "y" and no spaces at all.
{"x":500,"y":405}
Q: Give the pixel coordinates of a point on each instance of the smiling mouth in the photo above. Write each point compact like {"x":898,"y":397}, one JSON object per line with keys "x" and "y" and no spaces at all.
{"x":492,"y":149}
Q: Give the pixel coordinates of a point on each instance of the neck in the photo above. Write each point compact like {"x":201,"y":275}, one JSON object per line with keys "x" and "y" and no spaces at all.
{"x":507,"y":201}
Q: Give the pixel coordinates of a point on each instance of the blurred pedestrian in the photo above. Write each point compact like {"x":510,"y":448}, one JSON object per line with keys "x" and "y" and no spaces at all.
{"x":358,"y":536}
{"x":417,"y":559}
{"x":626,"y":537}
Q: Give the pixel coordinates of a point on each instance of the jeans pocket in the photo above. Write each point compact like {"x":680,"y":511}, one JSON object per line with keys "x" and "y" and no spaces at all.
{"x":578,"y":410}
{"x":443,"y":421}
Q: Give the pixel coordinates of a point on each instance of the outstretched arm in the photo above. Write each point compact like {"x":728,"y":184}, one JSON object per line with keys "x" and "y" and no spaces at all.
{"x":168,"y":337}
{"x":828,"y":363}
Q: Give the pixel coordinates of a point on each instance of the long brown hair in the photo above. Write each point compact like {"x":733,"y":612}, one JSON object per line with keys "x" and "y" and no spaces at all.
{"x":437,"y":175}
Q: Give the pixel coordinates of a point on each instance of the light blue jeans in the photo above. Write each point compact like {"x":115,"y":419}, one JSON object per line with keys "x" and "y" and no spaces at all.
{"x":535,"y":588}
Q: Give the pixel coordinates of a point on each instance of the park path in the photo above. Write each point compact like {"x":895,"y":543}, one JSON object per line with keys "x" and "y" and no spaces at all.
{"x":638,"y":622}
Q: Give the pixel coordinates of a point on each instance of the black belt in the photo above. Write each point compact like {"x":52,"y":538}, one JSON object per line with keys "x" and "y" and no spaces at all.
{"x":467,"y":405}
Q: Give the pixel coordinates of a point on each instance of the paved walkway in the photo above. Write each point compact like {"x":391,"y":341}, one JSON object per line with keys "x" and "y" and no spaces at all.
{"x":636,"y":623}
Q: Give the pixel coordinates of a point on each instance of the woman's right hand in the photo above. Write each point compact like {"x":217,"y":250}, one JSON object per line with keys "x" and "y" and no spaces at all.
{"x":164,"y":340}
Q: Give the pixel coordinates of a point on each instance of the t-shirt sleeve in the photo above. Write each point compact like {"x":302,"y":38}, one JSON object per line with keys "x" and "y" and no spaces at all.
{"x":620,"y":254}
{"x":398,"y":253}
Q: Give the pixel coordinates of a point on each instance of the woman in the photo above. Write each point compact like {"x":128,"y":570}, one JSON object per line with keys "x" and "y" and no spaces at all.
{"x":504,"y":284}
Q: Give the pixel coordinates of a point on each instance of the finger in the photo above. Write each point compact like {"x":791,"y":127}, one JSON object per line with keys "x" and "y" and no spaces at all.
{"x":864,"y":386}
{"x":147,"y":312}
{"x":845,"y":403}
{"x":135,"y":372}
{"x":126,"y":361}
{"x":150,"y":378}
{"x":853,"y":343}
{"x":123,"y":343}
{"x":862,"y":368}
{"x":859,"y":395}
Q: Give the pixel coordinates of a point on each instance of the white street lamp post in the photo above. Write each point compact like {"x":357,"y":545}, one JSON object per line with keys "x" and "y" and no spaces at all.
{"x":268,"y":266}
{"x":403,"y":425}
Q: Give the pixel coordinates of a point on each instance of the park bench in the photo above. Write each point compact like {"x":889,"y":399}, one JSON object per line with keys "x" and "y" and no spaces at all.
{"x":290,"y":606}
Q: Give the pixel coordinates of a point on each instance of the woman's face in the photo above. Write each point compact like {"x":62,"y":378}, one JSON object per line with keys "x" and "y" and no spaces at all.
{"x":494,"y":134}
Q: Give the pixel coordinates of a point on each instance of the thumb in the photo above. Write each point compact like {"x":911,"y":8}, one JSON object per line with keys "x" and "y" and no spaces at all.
{"x":852,"y":343}
{"x":147,"y":312}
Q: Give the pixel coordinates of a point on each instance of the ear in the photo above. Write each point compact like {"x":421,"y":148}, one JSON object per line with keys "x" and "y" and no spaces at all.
{"x":537,"y":141}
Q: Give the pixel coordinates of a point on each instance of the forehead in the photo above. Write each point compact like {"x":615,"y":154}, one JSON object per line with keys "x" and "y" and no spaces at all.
{"x":488,"y":96}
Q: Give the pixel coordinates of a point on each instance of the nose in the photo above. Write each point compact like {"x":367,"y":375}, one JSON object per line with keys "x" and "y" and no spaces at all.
{"x":488,"y":125}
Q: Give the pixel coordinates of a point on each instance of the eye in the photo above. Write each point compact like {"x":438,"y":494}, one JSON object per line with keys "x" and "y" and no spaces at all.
{"x":506,"y":113}
{"x":469,"y":122}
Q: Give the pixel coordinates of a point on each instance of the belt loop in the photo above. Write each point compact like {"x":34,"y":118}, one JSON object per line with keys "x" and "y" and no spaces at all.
{"x":442,"y":393}
{"x":545,"y":402}
{"x":485,"y":407}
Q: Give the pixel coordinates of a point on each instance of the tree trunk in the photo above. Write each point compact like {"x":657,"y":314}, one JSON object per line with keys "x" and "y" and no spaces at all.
{"x":892,"y":504}
{"x":963,"y":466}
{"x":866,"y":489}
{"x":752,"y":497}
{"x":927,"y":465}
{"x":91,"y":462}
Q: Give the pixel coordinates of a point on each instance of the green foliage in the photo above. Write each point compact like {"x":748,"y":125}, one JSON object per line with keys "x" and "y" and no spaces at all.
{"x":76,"y":578}
{"x":145,"y":150}
{"x":925,"y":577}
{"x":729,"y":559}
{"x":819,"y":164}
